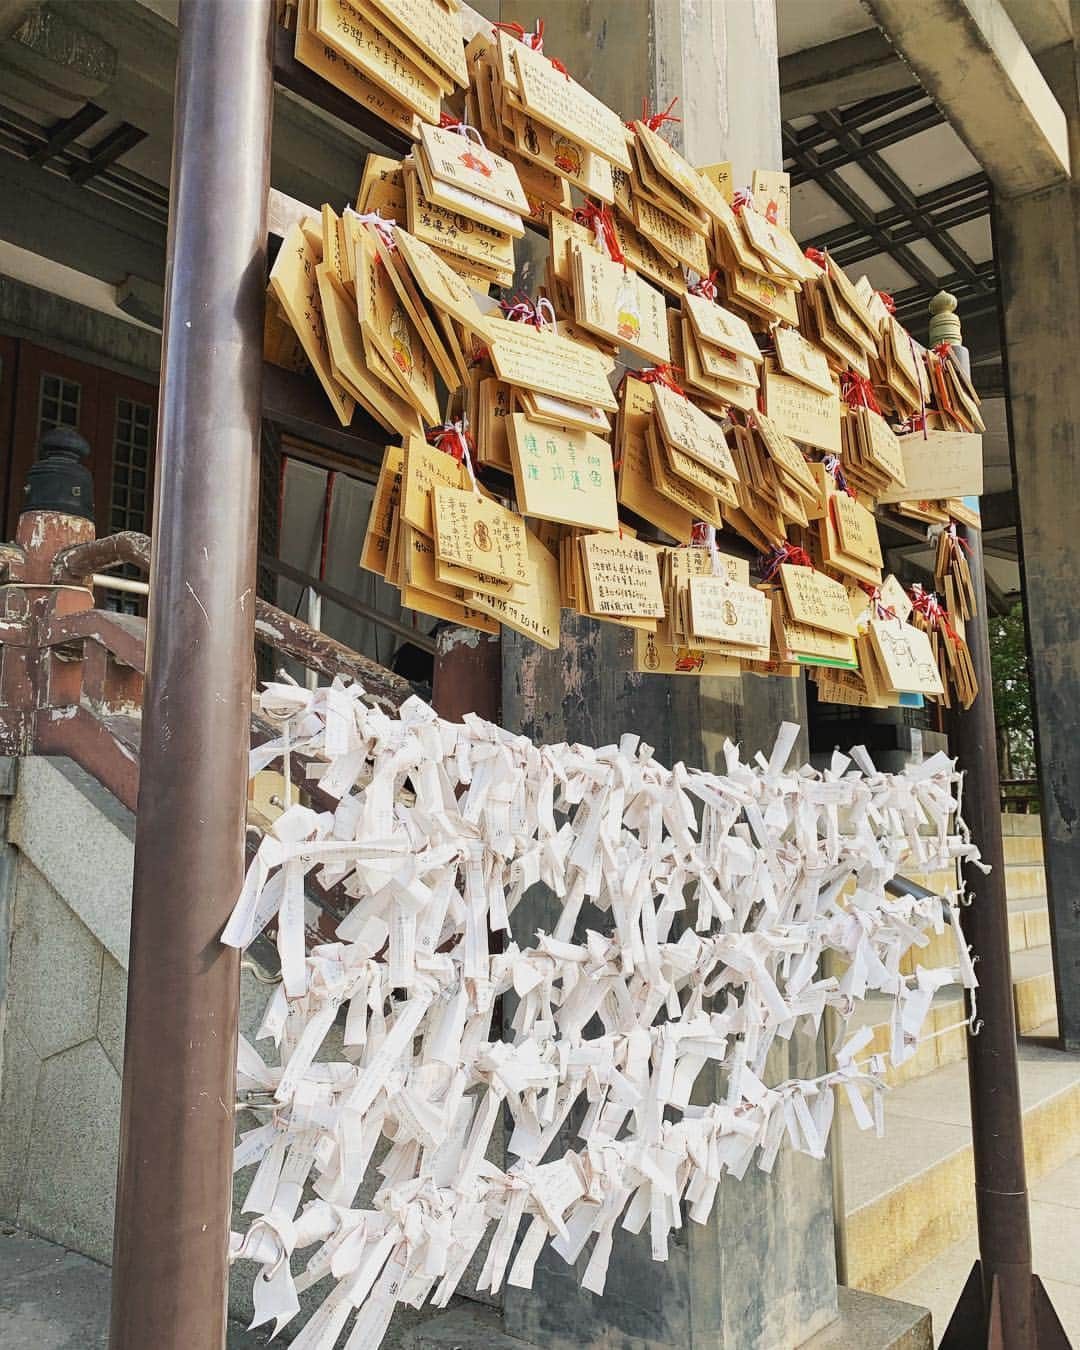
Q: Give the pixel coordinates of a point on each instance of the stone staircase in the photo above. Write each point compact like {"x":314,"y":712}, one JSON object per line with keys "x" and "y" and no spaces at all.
{"x":909,"y":1197}
{"x":1029,"y":944}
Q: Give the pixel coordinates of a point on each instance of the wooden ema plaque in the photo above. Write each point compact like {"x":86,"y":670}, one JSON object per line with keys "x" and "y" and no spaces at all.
{"x":361,"y":43}
{"x":533,"y":610}
{"x":816,"y":600}
{"x":294,"y":282}
{"x":479,"y":534}
{"x":543,"y":361}
{"x":906,"y":656}
{"x":621,"y":576}
{"x":730,"y":612}
{"x":563,"y":474}
{"x":687,"y":428}
{"x":803,"y":413}
{"x":611,"y":300}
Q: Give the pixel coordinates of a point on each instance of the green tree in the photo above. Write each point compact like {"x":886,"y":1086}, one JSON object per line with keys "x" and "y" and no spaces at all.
{"x":1012,"y":694}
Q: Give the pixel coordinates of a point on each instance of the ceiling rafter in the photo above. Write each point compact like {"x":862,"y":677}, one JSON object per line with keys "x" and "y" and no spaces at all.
{"x":855,"y":135}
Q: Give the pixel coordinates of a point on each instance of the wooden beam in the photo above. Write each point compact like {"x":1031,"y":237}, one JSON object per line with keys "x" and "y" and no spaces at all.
{"x":973,"y":63}
{"x":304,"y":83}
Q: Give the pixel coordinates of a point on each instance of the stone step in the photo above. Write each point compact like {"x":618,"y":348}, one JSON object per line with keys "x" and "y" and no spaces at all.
{"x":1033,"y":989}
{"x":910,"y":1196}
{"x":1029,"y":926}
{"x":944,"y":1038}
{"x":1025,"y":881}
{"x":1023,"y":848}
{"x":1055,"y":1212}
{"x":1015,"y":823}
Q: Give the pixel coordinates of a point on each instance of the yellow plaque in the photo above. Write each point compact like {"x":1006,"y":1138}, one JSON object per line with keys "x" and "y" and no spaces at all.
{"x":731,"y":612}
{"x":804,"y":414}
{"x":541,"y":360}
{"x":434,"y":29}
{"x":294,"y":281}
{"x":423,"y":468}
{"x":721,"y":327}
{"x":359,"y":42}
{"x":652,"y":657}
{"x":687,"y":428}
{"x":564,"y":474}
{"x":817,"y":600}
{"x":621,"y":576}
{"x":564,"y":104}
{"x":906,"y":657}
{"x":342,"y":74}
{"x":856,"y":529}
{"x":534,"y":611}
{"x":385,"y":324}
{"x":460,"y":160}
{"x":479,"y":534}
{"x":611,"y":300}
{"x":384,"y":505}
{"x":802,"y":360}
{"x":638,"y":493}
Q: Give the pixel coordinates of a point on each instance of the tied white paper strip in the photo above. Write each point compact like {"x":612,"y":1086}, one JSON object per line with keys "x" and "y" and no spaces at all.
{"x":695,"y":908}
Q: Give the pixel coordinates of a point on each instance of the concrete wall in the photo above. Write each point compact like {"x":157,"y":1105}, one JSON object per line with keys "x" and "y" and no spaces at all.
{"x":67,"y":901}
{"x":66,"y":910}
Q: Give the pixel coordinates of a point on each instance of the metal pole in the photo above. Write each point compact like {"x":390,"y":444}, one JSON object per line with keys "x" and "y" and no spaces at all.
{"x":170,"y":1272}
{"x":1001,"y":1197}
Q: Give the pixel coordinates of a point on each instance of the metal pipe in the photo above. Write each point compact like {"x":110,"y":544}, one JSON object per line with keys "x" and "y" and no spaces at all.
{"x":129,"y":584}
{"x":347,"y":601}
{"x":170,"y":1267}
{"x":993,"y":1075}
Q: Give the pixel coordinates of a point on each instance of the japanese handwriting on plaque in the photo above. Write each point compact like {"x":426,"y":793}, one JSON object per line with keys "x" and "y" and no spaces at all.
{"x":360,"y":43}
{"x":802,"y":360}
{"x":479,"y":534}
{"x":562,"y":103}
{"x":729,"y":611}
{"x":805,"y":414}
{"x":543,"y":361}
{"x":817,"y":600}
{"x":622,"y":576}
{"x":687,"y":428}
{"x":615,"y":302}
{"x":294,"y":280}
{"x":321,"y":58}
{"x":535,"y":612}
{"x":563,"y":474}
{"x":424,"y":466}
{"x":456,"y":159}
{"x":435,"y":30}
{"x":856,"y":529}
{"x":721,"y":327}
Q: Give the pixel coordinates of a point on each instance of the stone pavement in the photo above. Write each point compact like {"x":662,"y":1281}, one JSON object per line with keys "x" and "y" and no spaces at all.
{"x":1055,"y":1236}
{"x":53,"y":1299}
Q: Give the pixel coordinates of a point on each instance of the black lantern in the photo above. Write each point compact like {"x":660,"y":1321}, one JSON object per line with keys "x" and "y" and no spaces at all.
{"x":58,"y":481}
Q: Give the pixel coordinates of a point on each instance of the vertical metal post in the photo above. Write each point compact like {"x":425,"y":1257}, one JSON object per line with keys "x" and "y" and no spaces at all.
{"x":1003,"y":1281}
{"x":170,"y":1273}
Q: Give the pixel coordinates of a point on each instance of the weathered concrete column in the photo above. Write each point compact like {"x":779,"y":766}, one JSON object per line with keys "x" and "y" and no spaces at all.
{"x":1038,"y":255}
{"x":760,"y":1275}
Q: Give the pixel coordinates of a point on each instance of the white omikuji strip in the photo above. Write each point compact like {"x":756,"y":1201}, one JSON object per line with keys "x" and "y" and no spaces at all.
{"x":694,"y":910}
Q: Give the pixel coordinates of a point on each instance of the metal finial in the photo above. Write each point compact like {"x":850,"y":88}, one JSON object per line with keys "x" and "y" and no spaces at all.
{"x":944,"y":323}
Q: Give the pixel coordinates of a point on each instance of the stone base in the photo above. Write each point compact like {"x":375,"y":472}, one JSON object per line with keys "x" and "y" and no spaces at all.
{"x":870,"y":1322}
{"x":471,"y":1327}
{"x":865,"y":1322}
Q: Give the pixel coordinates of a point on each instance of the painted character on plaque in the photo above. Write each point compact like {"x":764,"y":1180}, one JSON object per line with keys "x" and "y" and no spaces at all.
{"x":401,"y":341}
